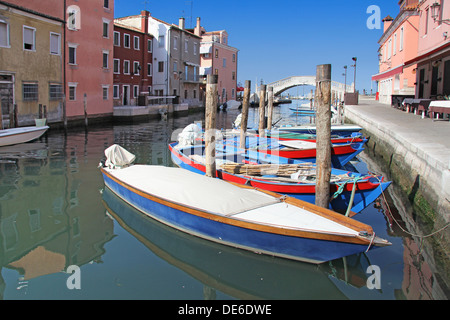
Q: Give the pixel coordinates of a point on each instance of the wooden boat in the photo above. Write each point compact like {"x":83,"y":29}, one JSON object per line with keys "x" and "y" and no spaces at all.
{"x":339,"y":129}
{"x":303,"y":150}
{"x":294,"y":179}
{"x":21,"y":135}
{"x":283,"y":135}
{"x":237,"y":216}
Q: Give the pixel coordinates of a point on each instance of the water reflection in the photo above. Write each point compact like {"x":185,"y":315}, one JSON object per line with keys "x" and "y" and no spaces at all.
{"x":52,"y":216}
{"x":240,"y":274}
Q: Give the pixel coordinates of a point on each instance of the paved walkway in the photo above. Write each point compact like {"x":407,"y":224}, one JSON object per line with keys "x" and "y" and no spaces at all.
{"x":424,"y":144}
{"x":431,"y":138}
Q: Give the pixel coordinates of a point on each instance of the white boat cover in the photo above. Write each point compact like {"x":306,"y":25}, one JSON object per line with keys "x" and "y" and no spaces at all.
{"x":219,"y":197}
{"x":298,"y":144}
{"x":116,"y":156}
{"x":189,"y":135}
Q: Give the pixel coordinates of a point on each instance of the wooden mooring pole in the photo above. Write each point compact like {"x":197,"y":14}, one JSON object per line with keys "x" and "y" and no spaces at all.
{"x":323,"y":131}
{"x":244,"y":117}
{"x":270,"y":108}
{"x":210,"y":125}
{"x":262,"y":110}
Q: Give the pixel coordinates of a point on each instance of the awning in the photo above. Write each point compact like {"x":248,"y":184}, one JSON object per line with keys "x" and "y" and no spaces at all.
{"x":205,"y":49}
{"x":388,"y":73}
{"x":191,"y":64}
{"x":427,"y":54}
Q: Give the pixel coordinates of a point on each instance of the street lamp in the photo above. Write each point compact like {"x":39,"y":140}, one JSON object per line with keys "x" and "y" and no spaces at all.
{"x":354,"y":81}
{"x":345,"y":79}
{"x":435,"y":11}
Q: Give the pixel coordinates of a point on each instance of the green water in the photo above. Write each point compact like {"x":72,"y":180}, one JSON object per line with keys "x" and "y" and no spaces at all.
{"x":53,"y":216}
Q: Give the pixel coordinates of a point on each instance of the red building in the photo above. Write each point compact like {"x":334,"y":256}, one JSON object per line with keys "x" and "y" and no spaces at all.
{"x":132,"y":62}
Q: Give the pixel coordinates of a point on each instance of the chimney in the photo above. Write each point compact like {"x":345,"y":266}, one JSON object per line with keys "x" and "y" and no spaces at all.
{"x":387,"y":22}
{"x":197,"y":30}
{"x":144,"y":20}
{"x":181,"y":23}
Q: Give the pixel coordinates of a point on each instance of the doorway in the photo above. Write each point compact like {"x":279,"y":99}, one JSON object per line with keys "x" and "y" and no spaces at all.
{"x":126,"y":94}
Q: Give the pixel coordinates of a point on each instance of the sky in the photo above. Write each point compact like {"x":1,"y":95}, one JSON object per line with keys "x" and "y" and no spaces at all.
{"x":279,"y":39}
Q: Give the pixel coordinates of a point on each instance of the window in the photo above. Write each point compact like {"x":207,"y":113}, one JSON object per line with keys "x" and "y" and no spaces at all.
{"x":4,"y":34}
{"x":195,"y":48}
{"x":116,"y":91}
{"x":72,"y":91}
{"x":74,"y":18}
{"x":216,"y":53}
{"x":105,"y":59}
{"x":55,"y":91}
{"x":105,"y":29}
{"x":233,"y":75}
{"x":136,"y":43}
{"x":149,"y":69}
{"x":161,"y":41}
{"x":186,"y":45}
{"x":234,"y":57}
{"x":29,"y":38}
{"x":116,"y":66}
{"x":126,"y":40}
{"x":175,"y":66}
{"x":126,"y":66}
{"x":30,"y":91}
{"x":395,"y":44}
{"x":224,"y":63}
{"x":116,"y":38}
{"x":175,"y":43}
{"x":161,"y":66}
{"x":149,"y":45}
{"x":72,"y":53}
{"x":426,"y":21}
{"x":401,"y":39}
{"x":55,"y":43}
{"x":389,"y":48}
{"x":106,"y":4}
{"x":136,"y":91}
{"x":136,"y":67}
{"x":105,"y":91}
{"x":185,"y":94}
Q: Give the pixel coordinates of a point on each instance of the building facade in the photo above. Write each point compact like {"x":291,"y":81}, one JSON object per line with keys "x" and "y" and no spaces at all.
{"x":86,"y":53}
{"x":398,"y":44}
{"x":30,"y":63}
{"x":218,"y":58}
{"x":176,"y":59}
{"x":433,"y":54}
{"x":132,"y":64}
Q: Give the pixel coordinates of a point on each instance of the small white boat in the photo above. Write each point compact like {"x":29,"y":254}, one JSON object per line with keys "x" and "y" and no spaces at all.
{"x":21,"y":135}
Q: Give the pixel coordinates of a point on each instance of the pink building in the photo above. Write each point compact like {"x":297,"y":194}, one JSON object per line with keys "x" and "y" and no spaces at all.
{"x":398,"y":44}
{"x":433,"y":52}
{"x":87,"y":52}
{"x":217,"y":57}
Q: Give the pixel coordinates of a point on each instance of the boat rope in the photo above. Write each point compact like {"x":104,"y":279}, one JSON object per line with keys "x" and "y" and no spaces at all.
{"x":398,"y":224}
{"x":371,"y":241}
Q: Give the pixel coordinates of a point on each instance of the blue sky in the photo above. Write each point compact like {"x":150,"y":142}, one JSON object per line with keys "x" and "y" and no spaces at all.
{"x":278,"y":39}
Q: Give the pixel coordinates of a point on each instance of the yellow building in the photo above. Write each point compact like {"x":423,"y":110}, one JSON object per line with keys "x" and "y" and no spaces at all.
{"x":31,"y":60}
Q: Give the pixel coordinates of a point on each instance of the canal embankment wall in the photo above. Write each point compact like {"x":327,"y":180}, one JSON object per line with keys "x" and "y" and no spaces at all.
{"x":414,"y":153}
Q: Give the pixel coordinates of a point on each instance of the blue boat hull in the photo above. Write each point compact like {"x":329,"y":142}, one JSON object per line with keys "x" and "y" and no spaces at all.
{"x":362,"y":198}
{"x":291,"y":247}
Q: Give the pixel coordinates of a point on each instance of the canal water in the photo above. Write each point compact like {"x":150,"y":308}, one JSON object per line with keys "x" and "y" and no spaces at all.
{"x":62,"y":236}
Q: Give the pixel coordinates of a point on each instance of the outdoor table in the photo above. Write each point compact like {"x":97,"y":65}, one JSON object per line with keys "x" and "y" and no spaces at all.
{"x":439,"y":106}
{"x":423,"y":107}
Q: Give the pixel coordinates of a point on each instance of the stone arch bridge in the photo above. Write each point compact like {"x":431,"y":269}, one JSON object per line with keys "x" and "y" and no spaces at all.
{"x":337,"y":89}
